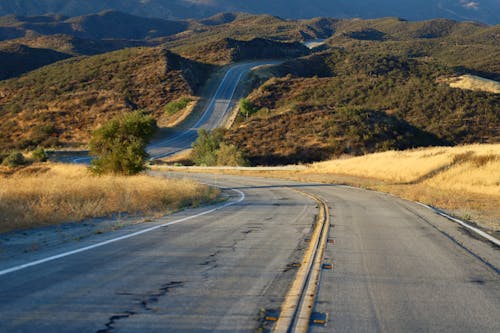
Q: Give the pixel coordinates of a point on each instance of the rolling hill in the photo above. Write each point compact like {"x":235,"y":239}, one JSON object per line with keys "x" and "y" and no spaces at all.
{"x":374,"y":85}
{"x":60,"y":104}
{"x":486,"y":11}
{"x":21,"y":59}
{"x":104,"y":25}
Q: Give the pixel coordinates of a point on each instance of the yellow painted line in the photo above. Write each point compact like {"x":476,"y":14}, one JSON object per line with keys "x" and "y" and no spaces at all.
{"x":299,"y":290}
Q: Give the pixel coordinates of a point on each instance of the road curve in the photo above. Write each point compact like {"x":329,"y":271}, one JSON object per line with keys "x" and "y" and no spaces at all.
{"x":212,"y":273}
{"x":398,"y":267}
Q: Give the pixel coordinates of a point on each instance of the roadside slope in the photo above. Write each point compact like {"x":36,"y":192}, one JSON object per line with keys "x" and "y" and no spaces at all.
{"x":62,"y":103}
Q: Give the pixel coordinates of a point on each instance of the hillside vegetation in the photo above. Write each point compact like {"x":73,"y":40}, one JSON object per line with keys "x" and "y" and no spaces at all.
{"x":364,"y":93}
{"x":375,"y":85}
{"x":61,"y":104}
{"x":104,"y":25}
{"x":228,"y":50}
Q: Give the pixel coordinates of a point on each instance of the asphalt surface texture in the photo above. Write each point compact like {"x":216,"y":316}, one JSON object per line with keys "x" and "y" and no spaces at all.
{"x":397,"y":267}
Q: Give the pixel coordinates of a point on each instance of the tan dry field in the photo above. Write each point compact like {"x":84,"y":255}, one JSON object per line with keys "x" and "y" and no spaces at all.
{"x":473,"y":82}
{"x":47,"y":194}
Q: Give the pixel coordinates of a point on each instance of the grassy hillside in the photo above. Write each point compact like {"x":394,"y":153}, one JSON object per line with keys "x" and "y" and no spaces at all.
{"x":74,"y":46}
{"x":465,"y":46}
{"x":230,"y":50}
{"x":358,"y":103}
{"x":61,"y":103}
{"x":212,"y":31}
{"x":104,"y":25}
{"x":29,"y":42}
{"x":376,"y":84}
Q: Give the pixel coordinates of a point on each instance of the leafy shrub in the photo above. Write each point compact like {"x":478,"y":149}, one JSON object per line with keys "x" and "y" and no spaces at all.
{"x":14,"y":159}
{"x":175,"y":106}
{"x":210,"y":150}
{"x":229,"y":155}
{"x":120,"y":144}
{"x":246,"y":108}
{"x":205,"y":147}
{"x":39,"y":155}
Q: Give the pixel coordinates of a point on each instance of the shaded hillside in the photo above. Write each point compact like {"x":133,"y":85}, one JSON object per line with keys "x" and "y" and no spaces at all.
{"x":229,"y":50}
{"x":47,"y":36}
{"x":465,"y":46}
{"x":105,"y":25}
{"x":72,"y":45}
{"x":305,"y":136}
{"x":61,"y":103}
{"x":18,"y":59}
{"x":359,"y":103}
{"x":204,"y":40}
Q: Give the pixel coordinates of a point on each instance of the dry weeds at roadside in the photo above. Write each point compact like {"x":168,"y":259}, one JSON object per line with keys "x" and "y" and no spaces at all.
{"x":37,"y":195}
{"x":415,"y":165}
{"x":464,"y":179}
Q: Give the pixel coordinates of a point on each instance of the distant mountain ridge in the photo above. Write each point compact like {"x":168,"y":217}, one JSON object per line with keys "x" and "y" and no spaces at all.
{"x":487,"y":11}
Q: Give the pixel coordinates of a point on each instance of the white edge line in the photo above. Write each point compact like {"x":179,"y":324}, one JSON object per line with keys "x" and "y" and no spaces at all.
{"x":439,"y":212}
{"x":462,"y":223}
{"x":137,"y":233}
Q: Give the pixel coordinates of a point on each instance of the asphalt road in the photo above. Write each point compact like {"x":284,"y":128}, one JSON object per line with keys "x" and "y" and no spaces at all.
{"x":398,"y":268}
{"x":216,"y":112}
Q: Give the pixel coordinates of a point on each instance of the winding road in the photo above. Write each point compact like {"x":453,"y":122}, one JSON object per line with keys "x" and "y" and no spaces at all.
{"x":231,"y":267}
{"x":398,"y":267}
{"x":214,"y":115}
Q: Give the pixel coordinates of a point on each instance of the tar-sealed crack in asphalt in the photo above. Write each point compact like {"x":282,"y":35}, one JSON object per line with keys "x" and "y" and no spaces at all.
{"x":143,"y":306}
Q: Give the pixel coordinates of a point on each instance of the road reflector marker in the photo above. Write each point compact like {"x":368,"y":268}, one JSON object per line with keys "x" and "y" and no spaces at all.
{"x":272,"y":315}
{"x":331,"y":241}
{"x":294,"y":265}
{"x":319,"y":318}
{"x":327,"y":266}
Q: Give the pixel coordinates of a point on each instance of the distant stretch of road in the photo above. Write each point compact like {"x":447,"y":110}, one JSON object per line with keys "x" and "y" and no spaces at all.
{"x":216,"y":112}
{"x":397,"y":267}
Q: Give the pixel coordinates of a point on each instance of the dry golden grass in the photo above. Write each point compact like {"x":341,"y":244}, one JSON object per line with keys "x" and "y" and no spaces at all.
{"x":464,"y":179}
{"x":414,"y":165}
{"x":472,"y":82}
{"x":44,"y":195}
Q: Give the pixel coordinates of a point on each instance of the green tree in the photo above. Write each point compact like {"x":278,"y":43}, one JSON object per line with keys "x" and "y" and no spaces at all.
{"x":209,"y":149}
{"x":120,"y":144}
{"x":39,"y":155}
{"x":246,"y":108}
{"x":14,"y":159}
{"x":205,"y":147}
